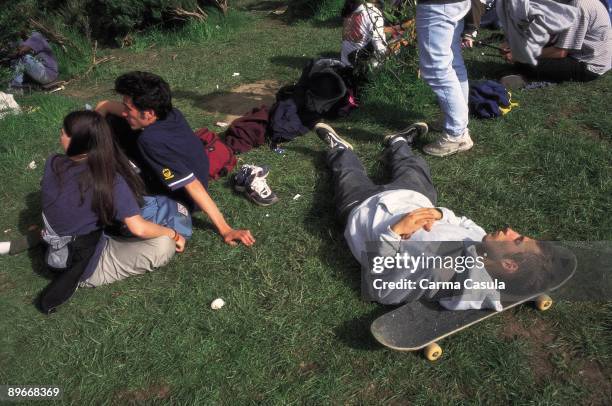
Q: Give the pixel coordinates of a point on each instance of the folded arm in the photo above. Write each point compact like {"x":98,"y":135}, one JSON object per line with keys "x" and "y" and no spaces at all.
{"x":144,"y":229}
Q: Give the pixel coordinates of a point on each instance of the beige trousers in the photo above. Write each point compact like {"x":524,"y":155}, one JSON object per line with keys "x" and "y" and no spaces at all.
{"x":125,"y":257}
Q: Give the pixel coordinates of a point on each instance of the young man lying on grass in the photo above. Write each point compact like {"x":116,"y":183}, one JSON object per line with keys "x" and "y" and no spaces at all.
{"x":160,"y":142}
{"x":408,"y":248}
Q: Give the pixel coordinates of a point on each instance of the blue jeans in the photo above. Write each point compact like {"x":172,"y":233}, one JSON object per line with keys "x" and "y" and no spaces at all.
{"x":34,"y":69}
{"x":439,"y":28}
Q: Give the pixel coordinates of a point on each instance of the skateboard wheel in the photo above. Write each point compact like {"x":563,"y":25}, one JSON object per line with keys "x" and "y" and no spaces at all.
{"x":543,"y":302}
{"x":433,"y":352}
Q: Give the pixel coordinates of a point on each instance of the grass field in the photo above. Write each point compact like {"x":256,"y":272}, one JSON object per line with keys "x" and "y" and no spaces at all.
{"x":294,"y":330}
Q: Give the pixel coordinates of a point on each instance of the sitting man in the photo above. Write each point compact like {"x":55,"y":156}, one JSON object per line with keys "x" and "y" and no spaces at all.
{"x":388,"y":221}
{"x":34,"y":60}
{"x":170,"y":157}
{"x":582,"y":53}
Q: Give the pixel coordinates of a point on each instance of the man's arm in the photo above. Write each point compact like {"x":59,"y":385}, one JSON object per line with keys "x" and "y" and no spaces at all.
{"x":201,"y":197}
{"x":110,"y":107}
{"x":415,"y":220}
{"x":553,"y":53}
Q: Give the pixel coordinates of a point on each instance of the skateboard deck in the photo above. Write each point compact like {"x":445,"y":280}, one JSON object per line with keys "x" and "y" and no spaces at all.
{"x":419,"y":325}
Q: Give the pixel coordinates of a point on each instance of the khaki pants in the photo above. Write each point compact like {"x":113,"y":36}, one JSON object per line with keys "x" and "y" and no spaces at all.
{"x":125,"y":257}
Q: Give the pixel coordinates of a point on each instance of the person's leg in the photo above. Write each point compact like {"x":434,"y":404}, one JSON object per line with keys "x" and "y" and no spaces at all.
{"x":459,"y":64}
{"x":438,"y":32}
{"x":351,"y":183}
{"x":124,"y":257}
{"x":558,"y":70}
{"x":409,"y":171}
{"x":18,"y":67}
{"x":36,"y":70}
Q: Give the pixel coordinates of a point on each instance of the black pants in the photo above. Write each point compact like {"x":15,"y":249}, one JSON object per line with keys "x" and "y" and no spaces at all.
{"x":353,"y":186}
{"x":558,"y":70}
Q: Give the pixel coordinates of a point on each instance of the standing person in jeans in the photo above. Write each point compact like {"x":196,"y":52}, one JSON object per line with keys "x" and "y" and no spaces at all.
{"x":439,"y":25}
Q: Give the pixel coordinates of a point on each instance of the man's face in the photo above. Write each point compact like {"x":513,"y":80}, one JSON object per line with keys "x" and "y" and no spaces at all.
{"x":506,"y":242}
{"x":137,"y":119}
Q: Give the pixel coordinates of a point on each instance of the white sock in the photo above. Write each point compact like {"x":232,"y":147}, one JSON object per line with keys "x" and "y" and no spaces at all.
{"x":398,"y":139}
{"x":5,"y":246}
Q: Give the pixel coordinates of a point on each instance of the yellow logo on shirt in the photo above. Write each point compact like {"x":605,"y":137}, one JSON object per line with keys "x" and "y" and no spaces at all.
{"x":167,"y":173}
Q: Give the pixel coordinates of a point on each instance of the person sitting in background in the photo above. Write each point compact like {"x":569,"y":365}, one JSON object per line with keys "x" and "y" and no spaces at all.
{"x":33,"y":60}
{"x":482,"y":15}
{"x":88,"y":188}
{"x":363,"y":36}
{"x":582,"y":53}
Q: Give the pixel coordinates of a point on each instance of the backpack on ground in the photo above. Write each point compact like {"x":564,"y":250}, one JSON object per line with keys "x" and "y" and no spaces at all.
{"x":323,"y":87}
{"x":221,"y":159}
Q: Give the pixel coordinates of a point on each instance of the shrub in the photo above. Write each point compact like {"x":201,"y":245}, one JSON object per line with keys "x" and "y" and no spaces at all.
{"x":107,"y":21}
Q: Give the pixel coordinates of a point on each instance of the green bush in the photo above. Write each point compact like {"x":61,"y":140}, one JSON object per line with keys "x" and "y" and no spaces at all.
{"x":320,"y":10}
{"x":107,"y":21}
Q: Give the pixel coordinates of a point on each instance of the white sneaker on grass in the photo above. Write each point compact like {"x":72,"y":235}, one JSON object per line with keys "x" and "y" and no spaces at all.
{"x":447,"y":145}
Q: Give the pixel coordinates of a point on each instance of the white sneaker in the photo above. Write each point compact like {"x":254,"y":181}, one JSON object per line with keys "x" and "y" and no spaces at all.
{"x":447,"y":145}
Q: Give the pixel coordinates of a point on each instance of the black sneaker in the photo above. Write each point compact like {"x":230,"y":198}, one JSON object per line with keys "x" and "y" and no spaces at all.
{"x":327,"y":134}
{"x":251,"y":180}
{"x":407,"y":134}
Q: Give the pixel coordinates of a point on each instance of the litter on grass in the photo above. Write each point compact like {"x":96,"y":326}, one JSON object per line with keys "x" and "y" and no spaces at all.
{"x":217,"y":304}
{"x":32,"y":165}
{"x":297,"y":196}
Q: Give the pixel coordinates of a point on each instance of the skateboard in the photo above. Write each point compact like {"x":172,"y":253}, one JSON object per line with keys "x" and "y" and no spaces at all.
{"x":419,"y":325}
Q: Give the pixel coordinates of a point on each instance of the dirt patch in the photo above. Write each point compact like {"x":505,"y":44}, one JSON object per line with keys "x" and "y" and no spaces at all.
{"x":538,"y":335}
{"x":238,"y":101}
{"x":158,"y":391}
{"x":308,"y":367}
{"x":597,"y":380}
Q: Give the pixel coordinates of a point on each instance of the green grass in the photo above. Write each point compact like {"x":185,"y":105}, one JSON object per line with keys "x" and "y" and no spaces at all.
{"x":216,"y":26}
{"x":294,"y":330}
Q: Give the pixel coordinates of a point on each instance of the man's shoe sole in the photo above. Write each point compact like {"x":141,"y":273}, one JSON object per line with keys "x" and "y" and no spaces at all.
{"x":330,"y":129}
{"x":448,"y":153}
{"x":263,"y":204}
{"x":420,"y":127}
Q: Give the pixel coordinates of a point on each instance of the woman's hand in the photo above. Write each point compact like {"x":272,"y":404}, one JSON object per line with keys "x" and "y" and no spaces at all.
{"x":180,"y":243}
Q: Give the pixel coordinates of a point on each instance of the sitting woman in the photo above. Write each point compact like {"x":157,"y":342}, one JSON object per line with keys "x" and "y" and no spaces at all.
{"x":363,"y":36}
{"x":89,"y":188}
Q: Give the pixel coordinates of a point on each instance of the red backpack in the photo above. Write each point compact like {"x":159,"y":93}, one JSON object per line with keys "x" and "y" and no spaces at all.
{"x":221,"y":159}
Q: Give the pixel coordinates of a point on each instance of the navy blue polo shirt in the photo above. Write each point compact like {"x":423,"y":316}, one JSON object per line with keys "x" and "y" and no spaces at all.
{"x":174,"y":156}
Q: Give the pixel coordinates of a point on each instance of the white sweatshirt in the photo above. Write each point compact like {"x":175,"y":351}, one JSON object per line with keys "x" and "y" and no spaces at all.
{"x":364,"y":25}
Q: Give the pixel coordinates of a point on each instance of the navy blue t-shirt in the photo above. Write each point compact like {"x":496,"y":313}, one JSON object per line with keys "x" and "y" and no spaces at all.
{"x":68,"y":213}
{"x":174,"y":155}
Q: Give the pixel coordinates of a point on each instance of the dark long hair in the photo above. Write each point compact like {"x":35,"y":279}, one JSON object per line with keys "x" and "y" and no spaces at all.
{"x":90,"y":134}
{"x":349,"y":7}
